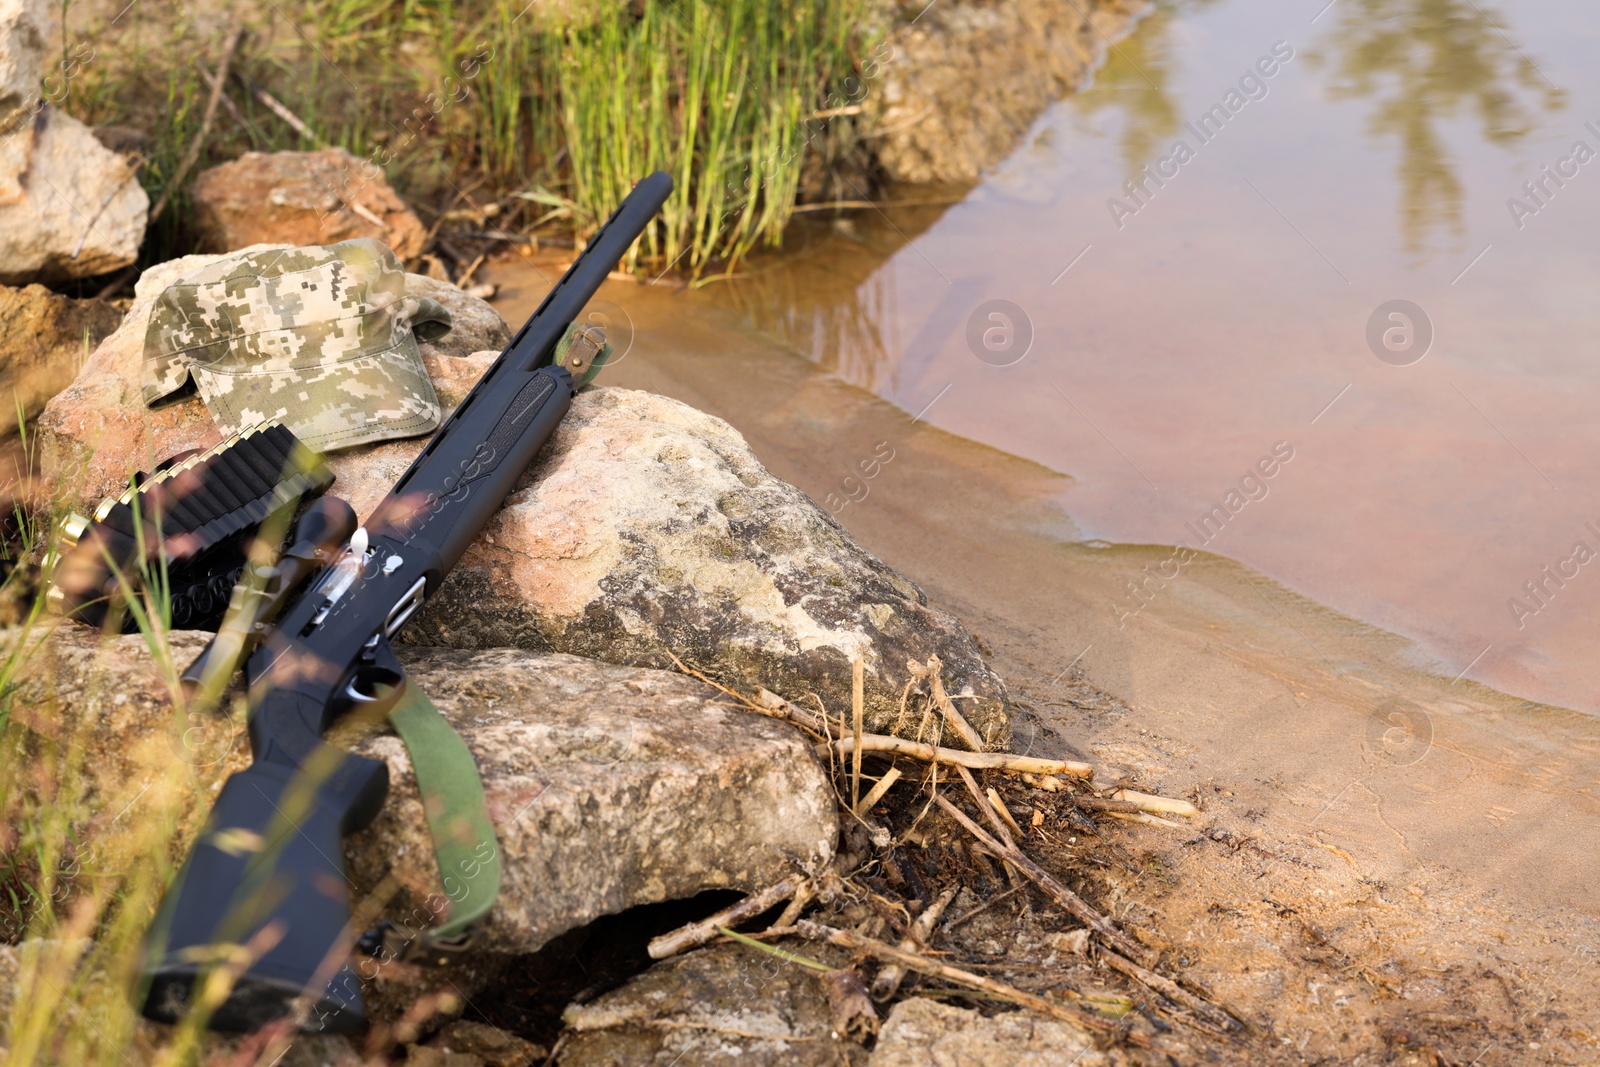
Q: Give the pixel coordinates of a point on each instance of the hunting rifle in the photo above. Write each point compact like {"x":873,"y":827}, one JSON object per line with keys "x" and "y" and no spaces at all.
{"x":263,"y":894}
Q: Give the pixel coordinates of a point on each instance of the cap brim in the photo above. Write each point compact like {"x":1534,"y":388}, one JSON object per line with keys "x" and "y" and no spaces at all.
{"x":162,"y":377}
{"x":368,"y":398}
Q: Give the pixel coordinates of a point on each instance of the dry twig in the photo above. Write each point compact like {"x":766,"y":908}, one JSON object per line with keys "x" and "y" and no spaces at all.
{"x":919,"y":936}
{"x":1001,"y":810}
{"x":876,"y":793}
{"x":1075,"y":905}
{"x":973,"y":913}
{"x":698,"y":933}
{"x":232,"y":44}
{"x":276,"y":106}
{"x":978,"y":761}
{"x":942,"y":701}
{"x":1201,"y":1007}
{"x":858,"y":670}
{"x":922,"y":965}
{"x":1158,"y":805}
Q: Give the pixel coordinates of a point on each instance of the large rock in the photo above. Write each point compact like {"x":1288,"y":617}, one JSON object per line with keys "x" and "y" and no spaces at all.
{"x":960,"y":83}
{"x":919,"y":1032}
{"x":645,"y":528}
{"x":649,"y":528}
{"x":75,"y":208}
{"x":609,"y":786}
{"x":97,"y":431}
{"x":301,"y":198}
{"x":44,"y":338}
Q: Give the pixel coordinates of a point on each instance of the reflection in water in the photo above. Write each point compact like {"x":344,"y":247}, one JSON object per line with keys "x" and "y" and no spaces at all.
{"x":1424,"y":62}
{"x":1176,"y":350}
{"x":1136,"y":79}
{"x":832,"y":295}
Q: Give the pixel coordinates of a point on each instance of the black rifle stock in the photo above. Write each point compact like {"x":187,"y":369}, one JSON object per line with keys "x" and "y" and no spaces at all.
{"x":264,"y":891}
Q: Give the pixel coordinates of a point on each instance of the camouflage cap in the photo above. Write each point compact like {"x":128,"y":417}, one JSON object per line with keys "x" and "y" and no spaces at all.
{"x":323,"y":338}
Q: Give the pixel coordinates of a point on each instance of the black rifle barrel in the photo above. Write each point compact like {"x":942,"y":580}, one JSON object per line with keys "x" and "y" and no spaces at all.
{"x":264,"y":884}
{"x":479,"y":464}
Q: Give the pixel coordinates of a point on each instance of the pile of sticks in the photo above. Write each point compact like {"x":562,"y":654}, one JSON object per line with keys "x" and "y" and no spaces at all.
{"x":994,"y":833}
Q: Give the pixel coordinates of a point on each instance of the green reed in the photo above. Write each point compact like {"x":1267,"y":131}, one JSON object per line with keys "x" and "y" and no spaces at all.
{"x":557,"y":109}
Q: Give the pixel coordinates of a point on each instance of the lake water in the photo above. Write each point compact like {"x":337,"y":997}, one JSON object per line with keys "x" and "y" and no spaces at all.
{"x":1215,"y":353}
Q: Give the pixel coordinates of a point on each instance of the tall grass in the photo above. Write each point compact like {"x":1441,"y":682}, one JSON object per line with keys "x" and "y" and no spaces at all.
{"x":95,"y":821}
{"x":84,"y":853}
{"x":548,"y":110}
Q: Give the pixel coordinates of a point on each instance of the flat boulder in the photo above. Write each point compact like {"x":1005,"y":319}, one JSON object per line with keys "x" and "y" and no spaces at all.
{"x":301,"y":198}
{"x":44,"y":337}
{"x":609,"y":787}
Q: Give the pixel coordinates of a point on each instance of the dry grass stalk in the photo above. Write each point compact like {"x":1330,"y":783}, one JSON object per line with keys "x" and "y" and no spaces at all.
{"x":277,"y":107}
{"x":878,"y":790}
{"x":1001,"y":810}
{"x":978,"y":761}
{"x":983,"y":806}
{"x":232,"y":45}
{"x":698,"y":933}
{"x":919,"y":936}
{"x":1201,"y":1007}
{"x":1157,"y":805}
{"x":1101,"y":804}
{"x":801,"y":900}
{"x":858,"y":671}
{"x":1074,"y":905}
{"x":941,"y":700}
{"x":1148,"y":820}
{"x":212,"y":81}
{"x":922,"y":965}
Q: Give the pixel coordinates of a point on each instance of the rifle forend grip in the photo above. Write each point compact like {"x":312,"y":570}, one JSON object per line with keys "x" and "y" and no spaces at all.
{"x":266,"y":885}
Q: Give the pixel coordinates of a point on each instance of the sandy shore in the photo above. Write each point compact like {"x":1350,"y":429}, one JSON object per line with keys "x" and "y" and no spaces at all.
{"x":1392,"y":865}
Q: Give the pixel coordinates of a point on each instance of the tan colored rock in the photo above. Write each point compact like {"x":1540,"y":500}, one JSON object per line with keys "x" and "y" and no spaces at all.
{"x":44,"y":339}
{"x":301,"y":198}
{"x":724,"y":1004}
{"x":919,"y":1032}
{"x":475,"y":326}
{"x":79,"y":209}
{"x":648,"y":527}
{"x":97,"y":431}
{"x":610,"y":787}
{"x":955,"y":88}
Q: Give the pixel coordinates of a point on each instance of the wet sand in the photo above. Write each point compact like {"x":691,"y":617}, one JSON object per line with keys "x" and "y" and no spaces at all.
{"x":1390,"y":860}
